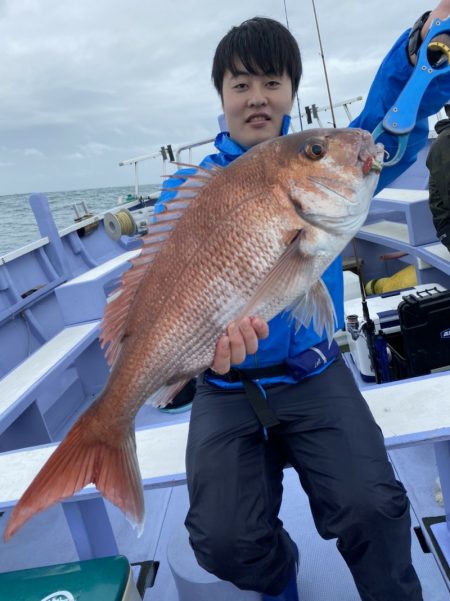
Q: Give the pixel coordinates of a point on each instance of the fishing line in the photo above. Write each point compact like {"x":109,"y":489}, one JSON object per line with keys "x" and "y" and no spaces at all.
{"x":296,"y":93}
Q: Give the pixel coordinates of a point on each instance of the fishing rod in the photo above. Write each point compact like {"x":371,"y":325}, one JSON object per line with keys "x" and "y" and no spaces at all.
{"x":368,"y":327}
{"x":296,"y":93}
{"x":324,"y":64}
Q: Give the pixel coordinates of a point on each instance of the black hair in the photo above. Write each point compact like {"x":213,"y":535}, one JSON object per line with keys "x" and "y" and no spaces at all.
{"x":261,"y":45}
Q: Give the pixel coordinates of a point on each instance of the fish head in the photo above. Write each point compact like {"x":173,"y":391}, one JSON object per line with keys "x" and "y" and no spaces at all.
{"x":330,"y":175}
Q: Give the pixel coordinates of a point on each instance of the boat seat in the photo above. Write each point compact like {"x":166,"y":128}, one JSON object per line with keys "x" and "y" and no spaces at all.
{"x":161,"y":452}
{"x":106,"y":579}
{"x":24,"y":402}
{"x":83,"y":298}
{"x":416,"y":226}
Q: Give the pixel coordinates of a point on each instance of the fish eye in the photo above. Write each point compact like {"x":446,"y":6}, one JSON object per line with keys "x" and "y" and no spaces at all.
{"x":314,"y":149}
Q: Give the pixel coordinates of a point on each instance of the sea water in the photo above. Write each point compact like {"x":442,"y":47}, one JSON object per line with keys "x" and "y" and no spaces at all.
{"x":18,"y":226}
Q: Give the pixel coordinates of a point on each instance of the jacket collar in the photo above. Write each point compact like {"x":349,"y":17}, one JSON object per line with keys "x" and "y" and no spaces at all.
{"x":232,"y":149}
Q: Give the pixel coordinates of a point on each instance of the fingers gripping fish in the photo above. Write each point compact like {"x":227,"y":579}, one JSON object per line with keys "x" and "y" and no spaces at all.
{"x":252,"y":238}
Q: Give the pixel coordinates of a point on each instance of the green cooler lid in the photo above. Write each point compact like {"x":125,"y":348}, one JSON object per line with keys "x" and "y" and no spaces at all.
{"x":102,"y":579}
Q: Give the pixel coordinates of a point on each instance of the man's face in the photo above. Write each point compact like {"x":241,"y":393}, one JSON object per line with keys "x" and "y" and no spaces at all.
{"x":254,"y":105}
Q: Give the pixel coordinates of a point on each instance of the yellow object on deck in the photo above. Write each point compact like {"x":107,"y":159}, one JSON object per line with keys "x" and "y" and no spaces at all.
{"x":402,"y":279}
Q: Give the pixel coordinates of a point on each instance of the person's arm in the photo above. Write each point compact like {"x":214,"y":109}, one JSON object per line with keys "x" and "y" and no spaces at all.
{"x":391,"y":78}
{"x":442,"y":11}
{"x":438,"y":163}
{"x":440,"y":207}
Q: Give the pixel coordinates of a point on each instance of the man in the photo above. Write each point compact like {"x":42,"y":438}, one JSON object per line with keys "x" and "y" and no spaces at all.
{"x":438,"y":163}
{"x":324,"y":428}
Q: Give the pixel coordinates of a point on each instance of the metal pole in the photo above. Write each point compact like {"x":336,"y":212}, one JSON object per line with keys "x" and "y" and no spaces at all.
{"x":324,"y":65}
{"x":136,"y":180}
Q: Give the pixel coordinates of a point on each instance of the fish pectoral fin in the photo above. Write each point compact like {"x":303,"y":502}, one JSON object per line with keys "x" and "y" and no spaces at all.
{"x":316,"y":306}
{"x":80,"y":460}
{"x":286,"y":275}
{"x":164,"y":395}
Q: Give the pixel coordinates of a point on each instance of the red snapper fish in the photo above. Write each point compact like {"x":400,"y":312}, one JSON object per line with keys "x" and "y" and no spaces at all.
{"x":250,"y":239}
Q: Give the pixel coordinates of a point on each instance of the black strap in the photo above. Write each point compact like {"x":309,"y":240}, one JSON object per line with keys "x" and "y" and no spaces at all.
{"x":258,"y":401}
{"x":254,"y":393}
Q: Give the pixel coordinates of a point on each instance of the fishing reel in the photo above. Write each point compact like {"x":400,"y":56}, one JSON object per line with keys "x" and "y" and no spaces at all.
{"x":369,"y":349}
{"x":127,"y":223}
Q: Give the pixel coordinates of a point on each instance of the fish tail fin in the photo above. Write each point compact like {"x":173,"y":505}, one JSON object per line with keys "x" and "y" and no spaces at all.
{"x":81,"y":459}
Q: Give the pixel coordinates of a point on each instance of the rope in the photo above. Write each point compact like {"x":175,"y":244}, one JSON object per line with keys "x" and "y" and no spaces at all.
{"x":126,"y":223}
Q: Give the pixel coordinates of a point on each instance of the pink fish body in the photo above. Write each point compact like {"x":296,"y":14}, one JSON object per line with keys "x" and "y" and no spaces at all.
{"x":253,"y":238}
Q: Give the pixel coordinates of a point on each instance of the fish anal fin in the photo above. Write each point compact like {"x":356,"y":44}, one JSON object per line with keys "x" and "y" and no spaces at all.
{"x":80,"y":460}
{"x":164,"y":395}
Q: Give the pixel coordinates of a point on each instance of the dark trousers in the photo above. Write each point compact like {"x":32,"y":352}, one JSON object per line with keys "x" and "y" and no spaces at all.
{"x":329,"y":436}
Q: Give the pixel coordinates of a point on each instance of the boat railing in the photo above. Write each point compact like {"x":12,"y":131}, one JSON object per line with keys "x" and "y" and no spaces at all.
{"x":312,"y":112}
{"x":165,"y":153}
{"x":190,"y":147}
{"x":145,"y":157}
{"x":9,"y":256}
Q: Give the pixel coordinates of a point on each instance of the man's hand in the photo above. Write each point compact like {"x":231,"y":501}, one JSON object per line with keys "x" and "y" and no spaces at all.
{"x":442,"y":11}
{"x":240,"y":340}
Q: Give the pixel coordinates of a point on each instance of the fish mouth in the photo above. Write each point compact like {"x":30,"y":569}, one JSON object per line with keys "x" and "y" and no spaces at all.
{"x":258,"y":117}
{"x":371,"y":156}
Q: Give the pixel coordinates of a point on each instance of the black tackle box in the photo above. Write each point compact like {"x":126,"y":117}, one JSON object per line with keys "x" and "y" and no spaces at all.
{"x":425,"y":329}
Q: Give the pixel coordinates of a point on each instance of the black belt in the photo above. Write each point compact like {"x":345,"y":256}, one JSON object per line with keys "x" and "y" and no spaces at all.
{"x":235,"y":375}
{"x":254,"y":392}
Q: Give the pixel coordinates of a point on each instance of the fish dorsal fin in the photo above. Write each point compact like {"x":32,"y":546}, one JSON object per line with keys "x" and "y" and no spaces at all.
{"x":209,"y":171}
{"x":113,"y":328}
{"x":288,"y":276}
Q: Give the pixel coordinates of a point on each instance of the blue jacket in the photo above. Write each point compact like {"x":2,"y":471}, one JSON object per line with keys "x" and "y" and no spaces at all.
{"x":284,"y":342}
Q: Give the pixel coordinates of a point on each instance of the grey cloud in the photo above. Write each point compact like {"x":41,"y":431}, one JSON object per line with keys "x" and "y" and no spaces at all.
{"x":88,"y":84}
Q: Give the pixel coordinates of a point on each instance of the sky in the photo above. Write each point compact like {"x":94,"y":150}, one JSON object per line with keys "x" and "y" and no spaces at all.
{"x":86,"y":84}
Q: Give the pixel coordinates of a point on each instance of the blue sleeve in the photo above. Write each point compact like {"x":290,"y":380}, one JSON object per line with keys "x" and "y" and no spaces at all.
{"x":392,"y":76}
